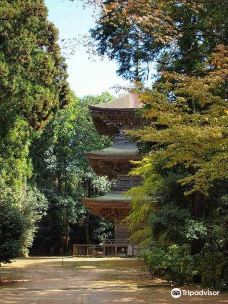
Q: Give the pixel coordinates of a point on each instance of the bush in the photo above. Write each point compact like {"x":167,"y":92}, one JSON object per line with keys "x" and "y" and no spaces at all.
{"x":212,"y":267}
{"x":19,"y":215}
{"x":154,"y":259}
{"x":11,"y":232}
{"x":168,"y":224}
{"x":174,"y":262}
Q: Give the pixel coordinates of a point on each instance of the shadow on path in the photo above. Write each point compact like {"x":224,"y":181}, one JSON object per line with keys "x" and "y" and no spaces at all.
{"x":88,"y":281}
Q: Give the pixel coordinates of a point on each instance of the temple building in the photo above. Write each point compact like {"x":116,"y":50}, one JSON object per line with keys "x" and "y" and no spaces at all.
{"x":112,"y":119}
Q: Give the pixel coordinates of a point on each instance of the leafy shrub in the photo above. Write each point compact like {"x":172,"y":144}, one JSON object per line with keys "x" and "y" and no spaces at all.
{"x":168,"y":224}
{"x":154,"y":259}
{"x":174,"y":262}
{"x":19,"y":215}
{"x":213,"y":268}
{"x":11,"y":232}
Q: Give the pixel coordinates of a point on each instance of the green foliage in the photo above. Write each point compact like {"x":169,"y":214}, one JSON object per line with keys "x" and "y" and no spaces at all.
{"x":178,"y":35}
{"x":33,"y":207}
{"x":212,"y":265}
{"x":168,"y":224}
{"x":195,"y":230}
{"x":33,"y":73}
{"x":174,"y":263}
{"x":191,"y":125}
{"x":11,"y":231}
{"x":18,"y":222}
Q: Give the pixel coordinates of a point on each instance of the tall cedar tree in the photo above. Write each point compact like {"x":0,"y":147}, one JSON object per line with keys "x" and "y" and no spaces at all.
{"x":32,"y":86}
{"x":33,"y":73}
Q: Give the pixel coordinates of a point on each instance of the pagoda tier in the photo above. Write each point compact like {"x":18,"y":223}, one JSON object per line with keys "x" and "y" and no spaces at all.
{"x":109,"y":118}
{"x":125,"y":182}
{"x":115,"y":160}
{"x":112,"y":205}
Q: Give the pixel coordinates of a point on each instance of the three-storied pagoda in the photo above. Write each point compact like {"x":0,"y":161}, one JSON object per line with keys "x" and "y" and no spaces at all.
{"x":112,"y":119}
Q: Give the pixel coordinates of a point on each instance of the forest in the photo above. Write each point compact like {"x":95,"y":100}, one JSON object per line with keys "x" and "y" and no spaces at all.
{"x":174,"y":53}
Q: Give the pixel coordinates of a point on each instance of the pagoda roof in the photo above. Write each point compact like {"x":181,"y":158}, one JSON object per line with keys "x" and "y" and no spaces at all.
{"x":112,"y":197}
{"x":111,"y":205}
{"x":126,"y":102}
{"x":120,"y":150}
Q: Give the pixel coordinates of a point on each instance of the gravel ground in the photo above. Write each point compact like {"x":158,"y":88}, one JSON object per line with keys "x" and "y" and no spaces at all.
{"x":87,"y":281}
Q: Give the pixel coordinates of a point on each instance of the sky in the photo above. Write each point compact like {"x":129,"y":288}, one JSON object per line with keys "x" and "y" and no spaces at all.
{"x":86,"y":76}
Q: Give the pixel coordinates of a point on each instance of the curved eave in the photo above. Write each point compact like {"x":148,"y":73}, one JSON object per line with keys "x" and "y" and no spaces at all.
{"x":118,"y":151}
{"x":116,"y":199}
{"x":108,"y":207}
{"x":106,"y":110}
{"x":129,"y":102}
{"x":112,"y":157}
{"x":95,"y":203}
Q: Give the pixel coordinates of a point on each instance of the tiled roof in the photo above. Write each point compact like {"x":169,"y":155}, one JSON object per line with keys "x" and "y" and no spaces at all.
{"x":129,"y":149}
{"x":111,"y":197}
{"x":130,"y":101}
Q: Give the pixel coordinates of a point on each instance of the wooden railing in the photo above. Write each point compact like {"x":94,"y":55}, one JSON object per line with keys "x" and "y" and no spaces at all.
{"x":116,"y":241}
{"x":87,"y":250}
{"x":110,"y":247}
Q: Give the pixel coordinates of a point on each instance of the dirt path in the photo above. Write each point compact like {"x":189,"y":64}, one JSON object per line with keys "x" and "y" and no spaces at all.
{"x":87,"y":281}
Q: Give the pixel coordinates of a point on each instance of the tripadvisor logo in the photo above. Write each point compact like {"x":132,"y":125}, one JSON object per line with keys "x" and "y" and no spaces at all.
{"x":177,"y":293}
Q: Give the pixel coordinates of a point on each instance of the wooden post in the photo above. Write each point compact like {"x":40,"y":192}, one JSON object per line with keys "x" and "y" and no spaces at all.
{"x":116,"y":251}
